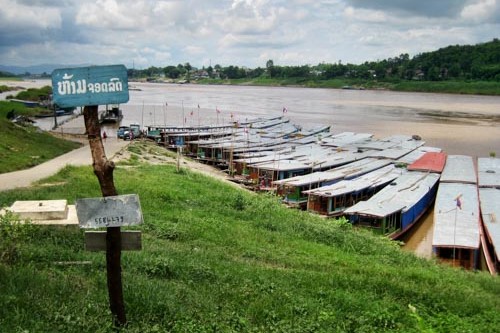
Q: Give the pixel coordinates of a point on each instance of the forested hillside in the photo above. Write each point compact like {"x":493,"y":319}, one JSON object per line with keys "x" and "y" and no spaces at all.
{"x":458,"y":62}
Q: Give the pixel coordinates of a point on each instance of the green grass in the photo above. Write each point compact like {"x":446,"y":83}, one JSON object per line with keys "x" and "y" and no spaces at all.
{"x":35,"y":94}
{"x":219,"y":259}
{"x":22,"y":147}
{"x":10,"y":78}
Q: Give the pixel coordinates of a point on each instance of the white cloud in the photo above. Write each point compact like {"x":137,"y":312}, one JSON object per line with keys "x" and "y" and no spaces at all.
{"x":14,"y":14}
{"x":365,"y":15}
{"x":479,"y":11}
{"x":236,"y":32}
{"x":108,"y":14}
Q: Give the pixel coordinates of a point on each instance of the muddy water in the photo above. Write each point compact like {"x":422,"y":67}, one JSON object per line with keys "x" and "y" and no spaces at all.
{"x":459,"y":124}
{"x":419,"y":239}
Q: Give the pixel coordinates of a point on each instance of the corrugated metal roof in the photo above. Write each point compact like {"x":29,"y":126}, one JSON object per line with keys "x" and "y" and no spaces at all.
{"x":430,"y":161}
{"x":287,"y":154}
{"x":488,"y":171}
{"x":350,"y":170}
{"x":371,"y":179}
{"x":345,"y":138}
{"x":417,"y":153}
{"x":282,"y":165}
{"x":459,"y":169}
{"x":392,"y":153}
{"x":456,"y":225}
{"x":402,"y":194}
{"x":490,"y":211}
{"x":340,"y":158}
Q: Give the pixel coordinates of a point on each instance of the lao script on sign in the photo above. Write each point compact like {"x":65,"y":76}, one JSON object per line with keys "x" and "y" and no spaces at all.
{"x":116,"y":211}
{"x":96,"y":85}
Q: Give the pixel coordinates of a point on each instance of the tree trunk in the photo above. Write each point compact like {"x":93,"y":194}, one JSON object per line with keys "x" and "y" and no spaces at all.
{"x":103,"y":169}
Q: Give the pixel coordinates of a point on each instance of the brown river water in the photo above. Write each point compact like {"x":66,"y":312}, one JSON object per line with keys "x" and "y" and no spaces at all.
{"x":459,"y":124}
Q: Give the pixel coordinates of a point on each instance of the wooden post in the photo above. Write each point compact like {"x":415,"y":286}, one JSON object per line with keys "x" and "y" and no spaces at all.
{"x":103,"y":169}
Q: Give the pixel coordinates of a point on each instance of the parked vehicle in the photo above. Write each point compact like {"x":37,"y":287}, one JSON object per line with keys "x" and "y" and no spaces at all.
{"x":136,"y":129}
{"x":132,"y":132}
{"x":121,"y":131}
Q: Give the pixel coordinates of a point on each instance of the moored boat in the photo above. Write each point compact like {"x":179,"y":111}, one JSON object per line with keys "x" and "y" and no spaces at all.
{"x":490,"y":213}
{"x":396,"y":208}
{"x":456,"y":225}
{"x":332,"y":200}
{"x":113,"y":115}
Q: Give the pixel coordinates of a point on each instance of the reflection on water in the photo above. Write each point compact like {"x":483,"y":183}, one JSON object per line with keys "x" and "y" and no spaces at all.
{"x":419,"y":238}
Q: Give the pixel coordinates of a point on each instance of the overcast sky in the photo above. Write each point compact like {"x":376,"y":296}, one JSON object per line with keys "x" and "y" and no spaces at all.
{"x":144,"y":33}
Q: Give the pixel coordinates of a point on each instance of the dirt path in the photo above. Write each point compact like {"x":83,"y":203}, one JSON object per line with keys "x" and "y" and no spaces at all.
{"x":73,"y":129}
{"x":80,"y":156}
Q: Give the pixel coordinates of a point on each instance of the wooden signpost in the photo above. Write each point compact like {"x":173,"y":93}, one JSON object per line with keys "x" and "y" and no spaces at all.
{"x":90,"y":87}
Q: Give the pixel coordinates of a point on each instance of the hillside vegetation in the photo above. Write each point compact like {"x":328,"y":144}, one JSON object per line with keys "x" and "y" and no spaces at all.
{"x":216,"y":258}
{"x":464,"y":69}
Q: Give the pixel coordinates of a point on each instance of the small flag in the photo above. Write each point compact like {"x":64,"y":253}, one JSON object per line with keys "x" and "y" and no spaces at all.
{"x":459,"y":202}
{"x":198,"y":106}
{"x":192,"y":113}
{"x":166,"y":103}
{"x":232,"y":115}
{"x":217,"y":110}
{"x":285,"y":110}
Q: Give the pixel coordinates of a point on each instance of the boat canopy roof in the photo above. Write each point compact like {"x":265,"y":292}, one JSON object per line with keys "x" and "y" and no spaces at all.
{"x":370,"y":180}
{"x":346,"y":171}
{"x":459,"y":169}
{"x":430,"y":161}
{"x":490,"y":212}
{"x":393,"y":153}
{"x":400,"y":195}
{"x":488,"y":171}
{"x":345,"y":138}
{"x":456,"y":224}
{"x":416,"y":154}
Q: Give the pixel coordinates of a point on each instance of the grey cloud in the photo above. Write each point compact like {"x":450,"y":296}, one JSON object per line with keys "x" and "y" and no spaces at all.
{"x":429,"y":8}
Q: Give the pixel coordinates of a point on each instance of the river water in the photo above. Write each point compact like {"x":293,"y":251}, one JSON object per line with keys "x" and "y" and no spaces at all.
{"x":459,"y":124}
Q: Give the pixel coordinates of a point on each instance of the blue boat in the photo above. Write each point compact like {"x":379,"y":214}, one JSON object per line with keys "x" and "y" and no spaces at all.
{"x":396,"y":208}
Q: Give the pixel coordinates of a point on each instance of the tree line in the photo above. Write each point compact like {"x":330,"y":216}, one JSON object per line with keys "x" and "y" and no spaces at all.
{"x":455,"y":62}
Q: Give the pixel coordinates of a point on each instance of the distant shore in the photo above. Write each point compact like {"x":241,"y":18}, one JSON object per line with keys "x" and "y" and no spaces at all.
{"x":491,"y":88}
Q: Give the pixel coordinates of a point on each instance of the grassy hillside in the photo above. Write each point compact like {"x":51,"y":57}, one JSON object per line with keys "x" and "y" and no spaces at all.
{"x":218,"y":259}
{"x":22,"y":147}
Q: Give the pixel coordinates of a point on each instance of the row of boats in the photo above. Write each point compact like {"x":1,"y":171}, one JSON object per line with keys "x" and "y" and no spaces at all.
{"x":383,"y":184}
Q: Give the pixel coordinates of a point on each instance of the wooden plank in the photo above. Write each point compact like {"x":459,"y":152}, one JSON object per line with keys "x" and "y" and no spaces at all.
{"x":96,"y":240}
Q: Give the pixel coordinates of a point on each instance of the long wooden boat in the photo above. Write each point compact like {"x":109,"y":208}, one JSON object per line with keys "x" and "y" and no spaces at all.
{"x":396,"y":208}
{"x":113,"y":115}
{"x":293,"y":189}
{"x":489,"y":194}
{"x":490,"y":213}
{"x":332,"y":200}
{"x":456,"y":237}
{"x":488,"y":172}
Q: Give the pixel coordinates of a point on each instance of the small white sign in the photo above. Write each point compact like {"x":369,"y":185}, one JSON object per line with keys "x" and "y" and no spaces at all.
{"x":116,"y":211}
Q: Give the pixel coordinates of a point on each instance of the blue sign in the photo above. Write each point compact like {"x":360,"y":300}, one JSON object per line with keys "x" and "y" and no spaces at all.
{"x":96,"y":85}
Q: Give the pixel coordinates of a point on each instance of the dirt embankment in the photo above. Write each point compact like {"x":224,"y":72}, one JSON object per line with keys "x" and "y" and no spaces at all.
{"x":146,"y":151}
